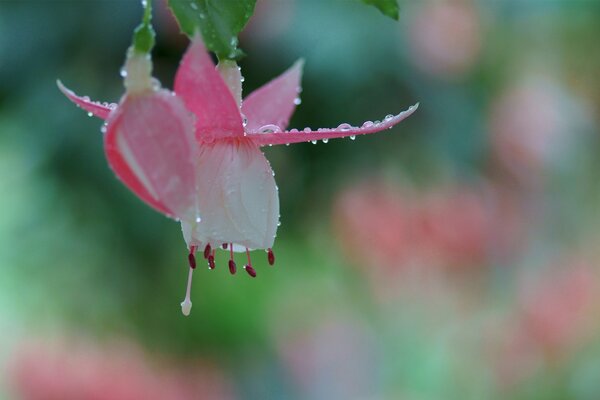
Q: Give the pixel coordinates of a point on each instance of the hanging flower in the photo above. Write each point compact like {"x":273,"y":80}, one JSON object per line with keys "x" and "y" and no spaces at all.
{"x":220,"y":185}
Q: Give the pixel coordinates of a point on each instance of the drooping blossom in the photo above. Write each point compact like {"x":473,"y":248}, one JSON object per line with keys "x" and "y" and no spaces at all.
{"x":78,"y":369}
{"x":195,"y":156}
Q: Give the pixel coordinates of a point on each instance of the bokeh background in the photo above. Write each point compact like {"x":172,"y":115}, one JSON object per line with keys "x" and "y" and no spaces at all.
{"x":453,"y":257}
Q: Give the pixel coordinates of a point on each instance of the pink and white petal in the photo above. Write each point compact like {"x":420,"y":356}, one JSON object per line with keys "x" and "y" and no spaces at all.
{"x":100,"y":110}
{"x":150,"y":145}
{"x":269,"y":135}
{"x":240,"y":204}
{"x":274,"y":103}
{"x":205,"y":94}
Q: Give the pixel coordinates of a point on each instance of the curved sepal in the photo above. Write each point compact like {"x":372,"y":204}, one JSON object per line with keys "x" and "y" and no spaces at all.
{"x":270,"y":135}
{"x":274,"y":103}
{"x":100,"y":110}
{"x":205,"y":94}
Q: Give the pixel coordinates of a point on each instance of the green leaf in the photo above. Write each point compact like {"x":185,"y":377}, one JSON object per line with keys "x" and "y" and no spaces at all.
{"x":387,"y":7}
{"x":219,"y":21}
{"x":143,"y":36}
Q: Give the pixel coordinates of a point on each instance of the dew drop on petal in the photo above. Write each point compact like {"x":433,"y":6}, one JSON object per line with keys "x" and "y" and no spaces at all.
{"x":297,"y":101}
{"x":306,"y":130}
{"x":344,"y":127}
{"x":367,"y":124}
{"x":388,"y":117}
{"x":352,"y":137}
{"x":325,"y":140}
{"x":313,"y":141}
{"x":90,"y":114}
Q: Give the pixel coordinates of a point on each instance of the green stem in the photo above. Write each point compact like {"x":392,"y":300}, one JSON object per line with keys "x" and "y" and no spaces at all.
{"x":143,"y":36}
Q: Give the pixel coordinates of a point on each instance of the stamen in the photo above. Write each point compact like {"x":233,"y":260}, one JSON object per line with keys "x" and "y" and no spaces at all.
{"x":192,"y":257}
{"x":270,"y":256}
{"x":250,"y":270}
{"x":248,"y":267}
{"x":232,"y":266}
{"x":211,"y":260}
{"x":207,"y":250}
{"x":186,"y":304}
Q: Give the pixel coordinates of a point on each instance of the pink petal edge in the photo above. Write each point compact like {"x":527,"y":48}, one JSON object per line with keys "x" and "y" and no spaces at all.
{"x":274,"y":102}
{"x":262,"y":138}
{"x":100,"y":110}
{"x":206,"y":94}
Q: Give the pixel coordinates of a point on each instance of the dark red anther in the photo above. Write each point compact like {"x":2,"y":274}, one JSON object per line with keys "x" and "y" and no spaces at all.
{"x":211,"y":262}
{"x":250,"y":270}
{"x":207,"y":250}
{"x":271,"y":257}
{"x":192,"y":260}
{"x":224,"y":246}
{"x":232,"y":267}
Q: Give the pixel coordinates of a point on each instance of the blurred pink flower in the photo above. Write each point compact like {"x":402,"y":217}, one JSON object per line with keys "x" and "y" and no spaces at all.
{"x":384,"y":227}
{"x":445,"y":37}
{"x":558,"y":312}
{"x":528,"y":128}
{"x":79,"y":370}
{"x":375,"y":224}
{"x":553,"y":318}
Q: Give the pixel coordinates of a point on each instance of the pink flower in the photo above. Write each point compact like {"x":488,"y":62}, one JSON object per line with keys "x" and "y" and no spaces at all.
{"x":80,"y":370}
{"x":445,"y":38}
{"x":195,"y":156}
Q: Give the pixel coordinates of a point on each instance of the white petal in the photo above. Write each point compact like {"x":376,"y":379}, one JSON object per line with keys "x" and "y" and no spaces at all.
{"x":237,"y":197}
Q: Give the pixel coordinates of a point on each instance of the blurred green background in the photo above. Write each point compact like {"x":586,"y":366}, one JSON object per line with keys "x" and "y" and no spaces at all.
{"x":453,"y":257}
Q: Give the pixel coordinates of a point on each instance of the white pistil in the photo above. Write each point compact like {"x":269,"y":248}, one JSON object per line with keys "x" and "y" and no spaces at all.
{"x":186,"y":304}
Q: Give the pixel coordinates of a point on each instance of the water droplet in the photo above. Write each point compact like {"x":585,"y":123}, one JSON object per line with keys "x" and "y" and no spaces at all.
{"x":287,"y":144}
{"x":198,"y":219}
{"x":202,"y":16}
{"x":388,"y":117}
{"x":313,"y":141}
{"x":306,"y":130}
{"x":269,"y":129}
{"x":344,"y":127}
{"x":367,"y":124}
{"x":242,"y":79}
{"x":194,"y":5}
{"x":352,"y":137}
{"x":325,"y":140}
{"x":103,"y":129}
{"x":297,"y":101}
{"x":90,"y":114}
{"x":294,"y":130}
{"x":123,"y":72}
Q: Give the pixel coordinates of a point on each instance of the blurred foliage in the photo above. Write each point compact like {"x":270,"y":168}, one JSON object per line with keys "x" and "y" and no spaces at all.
{"x":511,"y":110}
{"x":387,"y":7}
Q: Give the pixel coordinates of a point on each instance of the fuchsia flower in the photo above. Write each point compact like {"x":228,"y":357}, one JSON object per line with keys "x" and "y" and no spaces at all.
{"x":195,"y":156}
